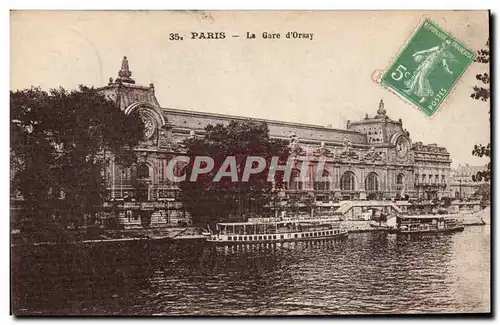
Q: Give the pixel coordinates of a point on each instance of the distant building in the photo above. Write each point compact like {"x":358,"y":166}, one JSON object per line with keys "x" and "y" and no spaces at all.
{"x":462,"y":185}
{"x":432,"y":167}
{"x":373,"y":158}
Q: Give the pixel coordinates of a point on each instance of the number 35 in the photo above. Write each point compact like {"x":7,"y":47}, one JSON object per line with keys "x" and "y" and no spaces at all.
{"x":400,"y":73}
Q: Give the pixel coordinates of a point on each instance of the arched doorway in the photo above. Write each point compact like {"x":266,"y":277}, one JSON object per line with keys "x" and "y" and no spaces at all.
{"x":400,"y":186}
{"x":372,"y":186}
{"x":372,"y":182}
{"x":348,"y":181}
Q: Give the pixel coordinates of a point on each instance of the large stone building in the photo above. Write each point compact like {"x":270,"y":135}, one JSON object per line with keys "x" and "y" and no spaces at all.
{"x":462,"y":186}
{"x":373,"y":158}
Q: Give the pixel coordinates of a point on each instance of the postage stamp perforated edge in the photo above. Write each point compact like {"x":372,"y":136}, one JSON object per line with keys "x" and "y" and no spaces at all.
{"x":394,"y":59}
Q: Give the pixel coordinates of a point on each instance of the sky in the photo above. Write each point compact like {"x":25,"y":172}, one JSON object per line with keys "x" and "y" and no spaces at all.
{"x":324,"y":81}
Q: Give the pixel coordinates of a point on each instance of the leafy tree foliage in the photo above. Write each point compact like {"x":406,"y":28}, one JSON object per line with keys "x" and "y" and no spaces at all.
{"x":209,"y":202}
{"x":482,"y":93}
{"x":60,"y":143}
{"x":483,"y":192}
{"x":482,"y":151}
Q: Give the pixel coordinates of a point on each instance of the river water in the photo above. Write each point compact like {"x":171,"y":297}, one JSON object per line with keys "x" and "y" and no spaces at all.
{"x":366,"y":273}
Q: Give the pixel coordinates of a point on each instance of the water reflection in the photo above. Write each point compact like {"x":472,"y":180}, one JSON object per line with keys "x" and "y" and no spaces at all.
{"x":367,"y":273}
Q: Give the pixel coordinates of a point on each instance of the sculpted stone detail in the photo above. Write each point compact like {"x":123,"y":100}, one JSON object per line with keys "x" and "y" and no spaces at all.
{"x":372,"y":155}
{"x":347,"y":151}
{"x":295,"y":149}
{"x":180,"y":146}
{"x":323,"y":151}
{"x":165,"y":139}
{"x":149,"y":127}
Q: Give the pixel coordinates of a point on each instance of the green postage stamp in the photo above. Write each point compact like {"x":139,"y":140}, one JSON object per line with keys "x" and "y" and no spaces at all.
{"x":428,"y":68}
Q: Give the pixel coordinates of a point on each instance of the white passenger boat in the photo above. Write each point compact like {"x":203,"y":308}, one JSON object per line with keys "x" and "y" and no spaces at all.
{"x":276,"y":231}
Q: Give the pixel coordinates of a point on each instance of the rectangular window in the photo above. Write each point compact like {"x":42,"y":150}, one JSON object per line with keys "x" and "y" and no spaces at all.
{"x":274,"y":237}
{"x":296,"y":236}
{"x":245,"y":238}
{"x":230,"y":238}
{"x":282,"y":236}
{"x":260,"y":237}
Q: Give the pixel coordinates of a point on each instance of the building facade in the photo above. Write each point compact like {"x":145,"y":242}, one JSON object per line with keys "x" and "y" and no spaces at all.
{"x":373,"y":158}
{"x":462,"y":185}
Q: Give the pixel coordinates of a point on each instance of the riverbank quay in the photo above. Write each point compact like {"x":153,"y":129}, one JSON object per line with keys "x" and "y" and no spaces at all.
{"x":177,"y":234}
{"x":98,"y":236}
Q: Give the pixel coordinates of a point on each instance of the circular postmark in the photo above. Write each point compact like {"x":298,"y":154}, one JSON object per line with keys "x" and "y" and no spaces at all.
{"x":377,"y":75}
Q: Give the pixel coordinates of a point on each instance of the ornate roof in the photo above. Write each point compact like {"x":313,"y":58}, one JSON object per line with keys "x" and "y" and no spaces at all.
{"x":192,"y":120}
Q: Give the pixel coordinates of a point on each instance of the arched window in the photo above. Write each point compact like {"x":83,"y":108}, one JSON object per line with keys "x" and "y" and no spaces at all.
{"x":323,"y":185}
{"x":400,"y":179}
{"x":295,"y":181}
{"x":143,"y":171}
{"x":371,"y":182}
{"x":348,"y":182}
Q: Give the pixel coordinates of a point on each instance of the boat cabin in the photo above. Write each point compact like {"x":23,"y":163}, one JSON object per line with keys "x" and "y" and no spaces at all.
{"x":276,"y":231}
{"x":427,"y":223}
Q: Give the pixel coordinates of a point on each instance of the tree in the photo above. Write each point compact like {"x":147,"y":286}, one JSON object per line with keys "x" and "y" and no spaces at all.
{"x":208,"y":201}
{"x":482,"y":92}
{"x":483,"y":192}
{"x":60,"y":144}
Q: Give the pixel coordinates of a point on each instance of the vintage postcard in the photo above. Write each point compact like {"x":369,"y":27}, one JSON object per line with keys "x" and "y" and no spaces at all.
{"x":250,"y":163}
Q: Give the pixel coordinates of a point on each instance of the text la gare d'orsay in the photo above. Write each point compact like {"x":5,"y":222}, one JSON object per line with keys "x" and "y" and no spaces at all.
{"x":204,"y":35}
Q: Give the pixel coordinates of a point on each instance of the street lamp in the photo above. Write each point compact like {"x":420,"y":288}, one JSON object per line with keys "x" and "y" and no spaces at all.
{"x":460,"y":188}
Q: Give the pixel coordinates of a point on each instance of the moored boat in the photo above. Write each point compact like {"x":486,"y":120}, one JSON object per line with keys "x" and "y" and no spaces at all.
{"x":376,"y":225}
{"x":427,"y":224}
{"x":276,"y":231}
